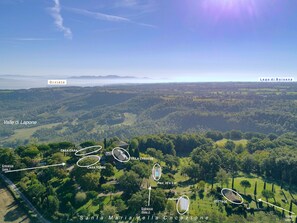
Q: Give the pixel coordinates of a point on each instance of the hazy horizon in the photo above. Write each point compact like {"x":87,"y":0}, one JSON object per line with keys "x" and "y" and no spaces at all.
{"x":28,"y":82}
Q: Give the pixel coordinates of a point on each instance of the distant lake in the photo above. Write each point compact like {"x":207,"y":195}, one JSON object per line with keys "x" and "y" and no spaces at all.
{"x":26,"y":82}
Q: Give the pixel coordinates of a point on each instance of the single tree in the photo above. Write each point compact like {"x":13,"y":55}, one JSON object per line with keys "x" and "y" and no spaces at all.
{"x":130,"y":183}
{"x":108,"y":171}
{"x":245,"y":184}
{"x":291,"y":206}
{"x":222,"y":177}
{"x":80,"y":197}
{"x":267,"y":194}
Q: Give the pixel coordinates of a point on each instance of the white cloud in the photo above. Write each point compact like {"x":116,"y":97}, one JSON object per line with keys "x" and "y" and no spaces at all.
{"x":106,"y":17}
{"x":58,"y":19}
{"x":98,"y":15}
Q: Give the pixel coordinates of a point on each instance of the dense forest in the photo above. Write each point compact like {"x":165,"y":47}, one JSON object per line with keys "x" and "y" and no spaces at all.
{"x":78,"y":114}
{"x":197,"y":164}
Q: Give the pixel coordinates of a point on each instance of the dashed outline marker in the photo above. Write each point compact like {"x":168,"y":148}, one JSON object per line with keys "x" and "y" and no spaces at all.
{"x":33,"y":168}
{"x":260,"y":200}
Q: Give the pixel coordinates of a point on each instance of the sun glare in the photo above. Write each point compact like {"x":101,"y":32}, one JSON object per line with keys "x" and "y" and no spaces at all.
{"x":231,"y":8}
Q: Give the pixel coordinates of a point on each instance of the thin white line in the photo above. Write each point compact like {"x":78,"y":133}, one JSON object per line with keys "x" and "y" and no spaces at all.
{"x":33,"y":168}
{"x":149,"y":198}
{"x":276,"y":206}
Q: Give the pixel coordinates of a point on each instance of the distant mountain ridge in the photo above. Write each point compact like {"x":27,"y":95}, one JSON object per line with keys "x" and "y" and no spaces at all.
{"x":106,"y":77}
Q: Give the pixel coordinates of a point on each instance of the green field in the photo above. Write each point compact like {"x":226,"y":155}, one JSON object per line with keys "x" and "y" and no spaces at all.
{"x":221,"y":143}
{"x":26,"y":133}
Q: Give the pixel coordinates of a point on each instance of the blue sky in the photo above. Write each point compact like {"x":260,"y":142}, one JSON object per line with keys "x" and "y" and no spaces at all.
{"x":176,"y":40}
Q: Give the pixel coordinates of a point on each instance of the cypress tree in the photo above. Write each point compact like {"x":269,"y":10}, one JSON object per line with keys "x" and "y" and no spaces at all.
{"x":136,"y":154}
{"x":255,"y":190}
{"x":131,"y":152}
{"x":232,"y":183}
{"x":105,"y":143}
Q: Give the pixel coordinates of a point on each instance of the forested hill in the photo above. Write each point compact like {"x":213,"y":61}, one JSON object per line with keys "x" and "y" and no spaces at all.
{"x":92,"y":113}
